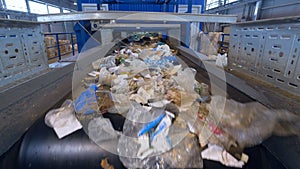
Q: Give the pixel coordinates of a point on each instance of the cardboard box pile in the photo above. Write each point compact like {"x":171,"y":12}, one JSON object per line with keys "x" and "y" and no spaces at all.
{"x":51,"y":47}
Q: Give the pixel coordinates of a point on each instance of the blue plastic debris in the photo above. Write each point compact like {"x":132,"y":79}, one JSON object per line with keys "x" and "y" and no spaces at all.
{"x":159,"y":129}
{"x":151,"y":125}
{"x":171,"y":59}
{"x":162,"y":62}
{"x":86,"y":103}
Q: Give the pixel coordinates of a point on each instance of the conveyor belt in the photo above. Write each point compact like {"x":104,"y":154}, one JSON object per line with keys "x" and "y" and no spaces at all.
{"x":41,"y":149}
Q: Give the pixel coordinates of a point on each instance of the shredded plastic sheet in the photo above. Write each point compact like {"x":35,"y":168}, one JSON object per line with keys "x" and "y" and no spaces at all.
{"x":165,"y":49}
{"x":63,"y":120}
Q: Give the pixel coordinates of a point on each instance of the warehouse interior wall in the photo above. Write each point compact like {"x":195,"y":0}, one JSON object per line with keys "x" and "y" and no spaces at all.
{"x":268,"y":9}
{"x":27,"y":14}
{"x":245,"y":11}
{"x":279,"y":8}
{"x":55,"y":27}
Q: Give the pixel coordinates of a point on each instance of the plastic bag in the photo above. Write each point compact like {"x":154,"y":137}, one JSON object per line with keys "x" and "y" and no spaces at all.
{"x":222,"y":60}
{"x":63,"y":120}
{"x":183,"y":155}
{"x":136,"y":119}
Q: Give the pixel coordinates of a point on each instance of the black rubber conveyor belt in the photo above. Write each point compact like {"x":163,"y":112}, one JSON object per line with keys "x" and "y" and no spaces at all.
{"x":41,"y":149}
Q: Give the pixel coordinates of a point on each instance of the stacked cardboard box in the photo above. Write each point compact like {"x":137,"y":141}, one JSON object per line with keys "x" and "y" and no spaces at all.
{"x":226,"y":31}
{"x":50,"y":41}
{"x":65,"y":46}
{"x":51,"y":52}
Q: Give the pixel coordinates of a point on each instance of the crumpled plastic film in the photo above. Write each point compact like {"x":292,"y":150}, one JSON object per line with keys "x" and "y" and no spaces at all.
{"x":101,"y":131}
{"x":121,"y":103}
{"x":108,"y":62}
{"x":105,"y":77}
{"x":186,"y":78}
{"x":128,"y":146}
{"x":136,"y":66}
{"x":146,"y":53}
{"x":120,"y":84}
{"x":190,"y":115}
{"x":185,"y":151}
{"x":187,"y":154}
{"x":251,"y":123}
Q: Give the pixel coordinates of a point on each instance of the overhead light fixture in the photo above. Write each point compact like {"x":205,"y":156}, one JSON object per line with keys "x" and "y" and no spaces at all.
{"x":75,"y":3}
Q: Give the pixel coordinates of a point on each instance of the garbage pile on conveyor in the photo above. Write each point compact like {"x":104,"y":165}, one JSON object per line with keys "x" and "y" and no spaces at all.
{"x":171,"y":120}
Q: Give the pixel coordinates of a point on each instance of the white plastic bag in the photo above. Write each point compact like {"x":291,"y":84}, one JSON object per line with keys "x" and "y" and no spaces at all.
{"x":63,"y":120}
{"x":222,"y":60}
